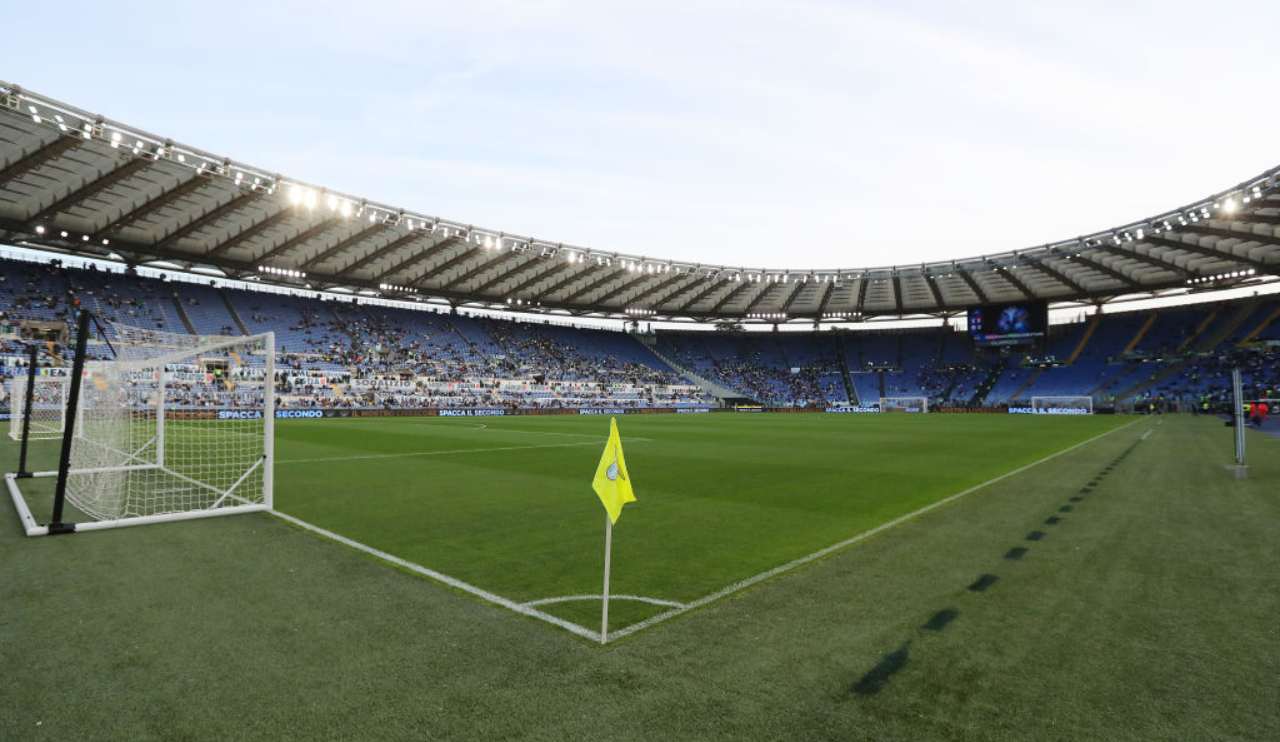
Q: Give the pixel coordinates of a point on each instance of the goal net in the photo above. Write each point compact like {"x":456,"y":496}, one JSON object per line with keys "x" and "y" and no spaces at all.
{"x":904,"y":404}
{"x":174,"y":427}
{"x":48,"y":405}
{"x":1065,"y":405}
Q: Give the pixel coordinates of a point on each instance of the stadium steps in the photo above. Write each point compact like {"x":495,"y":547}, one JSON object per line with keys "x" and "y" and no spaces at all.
{"x":1261,"y":327}
{"x":1243,"y":311}
{"x":1142,"y":331}
{"x":851,"y":391}
{"x":719,"y":391}
{"x":1200,"y":345}
{"x":1200,"y":328}
{"x":1032,"y":378}
{"x":182,"y":315}
{"x":231,"y":309}
{"x":1084,"y":339}
{"x":989,"y":383}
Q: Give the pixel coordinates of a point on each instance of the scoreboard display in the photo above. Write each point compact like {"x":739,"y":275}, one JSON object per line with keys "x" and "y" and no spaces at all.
{"x":1022,"y":323}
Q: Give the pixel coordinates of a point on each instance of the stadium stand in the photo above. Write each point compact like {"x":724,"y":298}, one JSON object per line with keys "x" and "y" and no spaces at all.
{"x":352,"y":353}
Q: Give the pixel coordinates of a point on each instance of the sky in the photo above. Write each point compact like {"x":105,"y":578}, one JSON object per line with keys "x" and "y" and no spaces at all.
{"x":790,"y":134}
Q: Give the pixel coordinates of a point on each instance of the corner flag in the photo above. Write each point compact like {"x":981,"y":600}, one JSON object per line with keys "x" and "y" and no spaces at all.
{"x":612,"y":483}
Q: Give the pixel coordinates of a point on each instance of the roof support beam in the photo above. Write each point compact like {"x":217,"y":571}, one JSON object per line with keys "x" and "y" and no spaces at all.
{"x":533,"y":261}
{"x":972,"y":283}
{"x":502,"y":257}
{"x":388,"y":249}
{"x":862,"y":295}
{"x":826,"y":297}
{"x":1212,"y":253}
{"x":1053,"y":273}
{"x":39,"y":156}
{"x":555,"y":270}
{"x":1251,"y":218}
{"x":755,"y":300}
{"x":424,"y":253}
{"x":610,"y":276}
{"x":146,"y":207}
{"x":1108,"y":270}
{"x":1233,"y":234}
{"x":89,"y":189}
{"x":791,"y":296}
{"x":932,"y":283}
{"x":715,"y":284}
{"x":199,"y":222}
{"x":1151,"y":260}
{"x":1007,"y":273}
{"x":299,"y":239}
{"x":658,"y":288}
{"x":344,"y":244}
{"x":742,"y":289}
{"x":897,"y":292}
{"x":675,"y":290}
{"x":456,"y":260}
{"x":249,"y":233}
{"x":624,"y":288}
{"x":566,"y":281}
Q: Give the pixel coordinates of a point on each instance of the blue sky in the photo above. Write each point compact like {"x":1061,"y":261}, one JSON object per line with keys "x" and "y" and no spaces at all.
{"x":788,"y":134}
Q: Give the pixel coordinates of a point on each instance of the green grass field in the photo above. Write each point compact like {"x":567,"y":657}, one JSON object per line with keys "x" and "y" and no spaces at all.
{"x":1142,"y":606}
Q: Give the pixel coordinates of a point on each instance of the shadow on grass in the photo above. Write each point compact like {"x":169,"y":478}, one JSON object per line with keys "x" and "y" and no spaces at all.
{"x":878,"y":677}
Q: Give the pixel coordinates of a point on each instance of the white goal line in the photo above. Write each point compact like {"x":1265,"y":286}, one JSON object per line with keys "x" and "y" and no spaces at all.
{"x":485,"y":595}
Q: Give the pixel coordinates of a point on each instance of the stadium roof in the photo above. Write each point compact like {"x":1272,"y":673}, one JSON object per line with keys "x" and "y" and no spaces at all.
{"x":75,"y":181}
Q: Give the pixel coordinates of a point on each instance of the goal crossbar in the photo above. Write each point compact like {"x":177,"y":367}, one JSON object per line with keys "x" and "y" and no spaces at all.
{"x":904,"y":404}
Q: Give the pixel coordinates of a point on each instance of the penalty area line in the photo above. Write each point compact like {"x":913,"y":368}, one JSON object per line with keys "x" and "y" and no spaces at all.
{"x":453,"y":582}
{"x":783,"y":568}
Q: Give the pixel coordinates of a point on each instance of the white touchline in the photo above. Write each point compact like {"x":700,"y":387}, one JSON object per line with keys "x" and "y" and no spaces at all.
{"x":442,"y":577}
{"x":755,"y":579}
{"x":430,"y":453}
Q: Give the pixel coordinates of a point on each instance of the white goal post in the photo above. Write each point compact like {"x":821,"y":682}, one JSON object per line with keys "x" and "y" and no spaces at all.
{"x":904,"y":404}
{"x":174,"y":427}
{"x":48,"y":404}
{"x":1062,"y":405}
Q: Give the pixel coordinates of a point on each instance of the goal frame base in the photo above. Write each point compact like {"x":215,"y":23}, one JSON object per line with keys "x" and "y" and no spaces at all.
{"x":1085,"y":400}
{"x":32,"y":527}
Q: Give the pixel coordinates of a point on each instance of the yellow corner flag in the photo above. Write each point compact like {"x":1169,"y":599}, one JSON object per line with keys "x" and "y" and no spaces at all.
{"x":612,"y":483}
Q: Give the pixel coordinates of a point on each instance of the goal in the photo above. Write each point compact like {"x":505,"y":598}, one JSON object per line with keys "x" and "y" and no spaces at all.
{"x":48,"y":405}
{"x":1065,"y":405}
{"x":904,"y":404}
{"x":173,"y":427}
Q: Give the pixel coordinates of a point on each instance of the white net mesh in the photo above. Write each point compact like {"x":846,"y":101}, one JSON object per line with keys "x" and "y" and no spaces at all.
{"x":48,"y":406}
{"x":1063,"y":405}
{"x":904,"y":404}
{"x":176,"y":423}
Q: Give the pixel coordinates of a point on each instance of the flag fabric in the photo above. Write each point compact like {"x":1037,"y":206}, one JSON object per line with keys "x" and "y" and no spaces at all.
{"x":612,"y":483}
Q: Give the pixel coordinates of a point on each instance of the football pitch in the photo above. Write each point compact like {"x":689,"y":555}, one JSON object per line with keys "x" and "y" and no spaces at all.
{"x":1113,"y":581}
{"x":504,"y":504}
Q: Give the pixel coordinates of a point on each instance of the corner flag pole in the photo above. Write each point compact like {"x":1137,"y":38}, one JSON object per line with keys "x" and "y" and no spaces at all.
{"x":608,"y":556}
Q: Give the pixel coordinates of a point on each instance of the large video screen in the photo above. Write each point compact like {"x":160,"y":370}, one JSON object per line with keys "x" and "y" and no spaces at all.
{"x":1009,"y":324}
